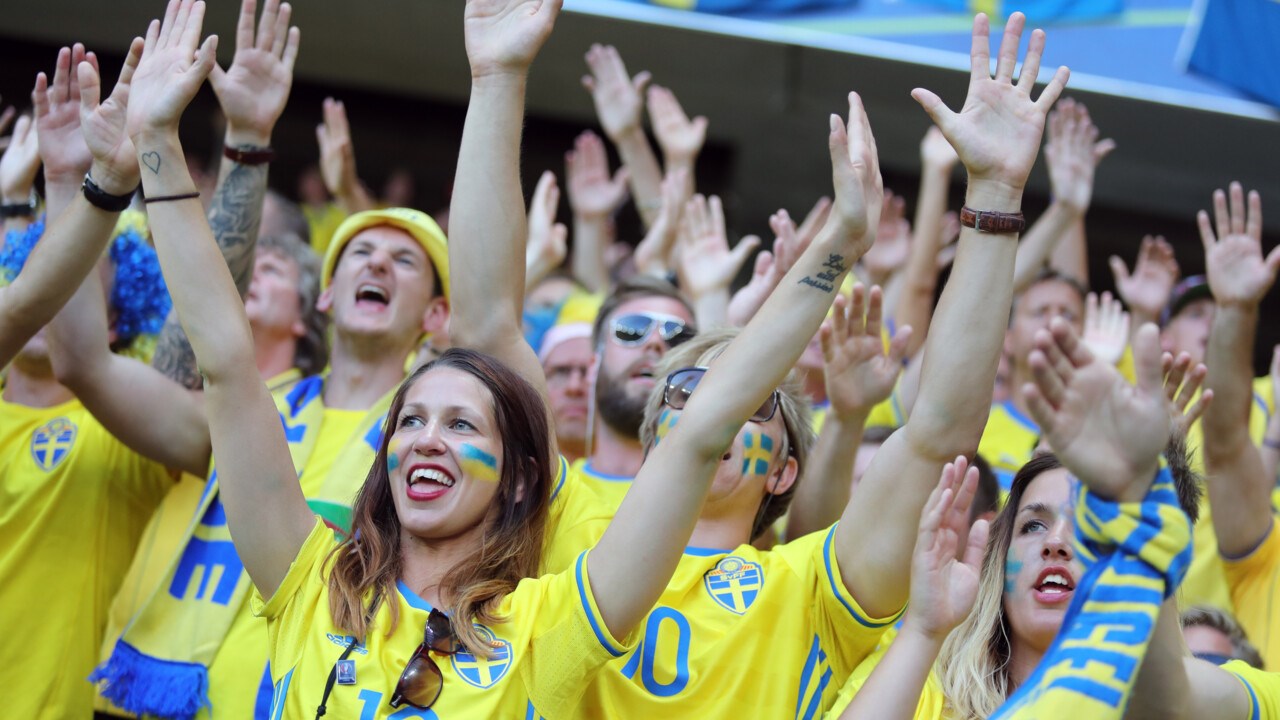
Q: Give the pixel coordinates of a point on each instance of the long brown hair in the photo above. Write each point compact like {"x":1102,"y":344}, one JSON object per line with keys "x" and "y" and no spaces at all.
{"x":367,"y":564}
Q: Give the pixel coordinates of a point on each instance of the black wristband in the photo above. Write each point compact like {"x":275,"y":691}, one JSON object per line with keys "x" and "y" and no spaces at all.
{"x":16,"y":210}
{"x":104,"y":200}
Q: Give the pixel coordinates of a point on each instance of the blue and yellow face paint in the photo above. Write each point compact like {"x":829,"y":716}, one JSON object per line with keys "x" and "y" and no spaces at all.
{"x":1012,"y":566}
{"x":393,"y":455}
{"x":757,"y":452}
{"x":666,"y":423}
{"x":479,"y":464}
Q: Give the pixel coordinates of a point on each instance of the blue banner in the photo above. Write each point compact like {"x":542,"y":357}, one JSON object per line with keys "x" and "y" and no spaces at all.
{"x":1237,"y":43}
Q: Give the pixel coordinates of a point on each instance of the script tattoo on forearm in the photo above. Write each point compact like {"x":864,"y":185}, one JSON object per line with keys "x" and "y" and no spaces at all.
{"x":825,"y":281}
{"x":234,"y":217}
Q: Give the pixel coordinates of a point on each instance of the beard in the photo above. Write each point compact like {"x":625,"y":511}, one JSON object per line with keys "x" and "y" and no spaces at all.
{"x":620,"y":411}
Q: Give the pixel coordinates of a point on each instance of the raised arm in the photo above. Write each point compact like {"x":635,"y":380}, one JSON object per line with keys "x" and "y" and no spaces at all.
{"x":338,"y":159}
{"x":548,"y":239}
{"x":657,"y":516}
{"x":705,"y":263}
{"x":252,"y":94}
{"x":944,"y":586}
{"x":267,"y":514}
{"x":487,"y":232}
{"x":859,"y":375}
{"x":1239,"y":277}
{"x":59,"y":263}
{"x":680,"y":138}
{"x":920,"y":275}
{"x":997,"y":135}
{"x":1146,"y":289}
{"x":619,"y":101}
{"x":18,"y":168}
{"x":1072,"y":154}
{"x":594,"y":197}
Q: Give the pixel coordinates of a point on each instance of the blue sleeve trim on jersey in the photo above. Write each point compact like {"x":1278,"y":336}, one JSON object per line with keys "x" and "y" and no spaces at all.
{"x":1261,"y":541}
{"x":564,"y":472}
{"x":602,"y":635}
{"x":837,"y":583}
{"x":606,"y":477}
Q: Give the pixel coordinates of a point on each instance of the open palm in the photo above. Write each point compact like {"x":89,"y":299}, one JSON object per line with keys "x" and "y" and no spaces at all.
{"x":503,"y":36}
{"x":103,"y":124}
{"x":171,"y":69}
{"x":1106,"y":431}
{"x":1234,"y":264}
{"x":859,"y":373}
{"x":944,"y":580}
{"x":255,"y":89}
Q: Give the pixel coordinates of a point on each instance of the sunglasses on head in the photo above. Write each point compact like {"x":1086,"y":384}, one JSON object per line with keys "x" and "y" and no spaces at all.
{"x":633,"y":328}
{"x":421,"y":682}
{"x":681,"y":384}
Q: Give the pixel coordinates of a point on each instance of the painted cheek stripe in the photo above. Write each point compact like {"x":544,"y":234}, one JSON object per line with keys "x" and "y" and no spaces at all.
{"x":479,"y":464}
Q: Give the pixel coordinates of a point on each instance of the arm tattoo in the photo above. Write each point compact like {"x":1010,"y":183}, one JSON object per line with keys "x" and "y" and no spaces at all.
{"x":234,"y":217}
{"x":825,"y":280}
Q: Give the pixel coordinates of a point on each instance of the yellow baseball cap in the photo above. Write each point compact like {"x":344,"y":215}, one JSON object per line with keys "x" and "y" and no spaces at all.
{"x":415,"y":222}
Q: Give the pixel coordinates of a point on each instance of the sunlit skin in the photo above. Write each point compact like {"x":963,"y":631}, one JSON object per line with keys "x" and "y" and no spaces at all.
{"x":381,"y":285}
{"x":1041,"y":546}
{"x":568,"y":371}
{"x":1188,"y":331}
{"x":447,"y":415}
{"x":633,"y":366}
{"x":1204,"y":640}
{"x":735,"y":493}
{"x":272,"y":303}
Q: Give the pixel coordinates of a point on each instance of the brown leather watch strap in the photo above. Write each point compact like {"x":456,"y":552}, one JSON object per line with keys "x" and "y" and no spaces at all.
{"x":249,"y":154}
{"x":988,"y":221}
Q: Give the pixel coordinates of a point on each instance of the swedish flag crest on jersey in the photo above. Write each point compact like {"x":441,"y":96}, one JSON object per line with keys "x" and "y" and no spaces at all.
{"x":52,"y":442}
{"x":734,"y":583}
{"x":478,"y":671}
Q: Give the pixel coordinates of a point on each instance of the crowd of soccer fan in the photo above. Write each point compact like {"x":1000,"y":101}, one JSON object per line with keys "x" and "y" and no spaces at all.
{"x":260,"y":460}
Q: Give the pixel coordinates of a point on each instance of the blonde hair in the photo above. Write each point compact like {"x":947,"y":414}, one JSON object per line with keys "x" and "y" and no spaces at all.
{"x":793,"y":406}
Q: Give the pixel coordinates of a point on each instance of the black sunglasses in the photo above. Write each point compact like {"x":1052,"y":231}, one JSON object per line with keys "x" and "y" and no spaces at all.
{"x":681,"y":384}
{"x":631,"y":329}
{"x":421,"y":682}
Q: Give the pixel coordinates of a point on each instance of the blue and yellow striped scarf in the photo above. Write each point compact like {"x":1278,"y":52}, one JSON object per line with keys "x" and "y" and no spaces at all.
{"x":1136,"y":556}
{"x":159,"y":666}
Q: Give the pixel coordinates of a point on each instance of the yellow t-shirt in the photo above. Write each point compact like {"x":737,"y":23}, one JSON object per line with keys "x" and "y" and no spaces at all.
{"x":1254,"y":580}
{"x":1263,"y":688}
{"x":1008,"y":442}
{"x":609,"y":489}
{"x":576,"y":521}
{"x":550,"y":647}
{"x":239,"y":678}
{"x":323,"y":223}
{"x":742,"y":633}
{"x":931,"y":702}
{"x":73,"y":503}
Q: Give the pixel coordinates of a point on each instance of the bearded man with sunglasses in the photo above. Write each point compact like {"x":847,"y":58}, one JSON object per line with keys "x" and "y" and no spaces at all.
{"x":638,"y":323}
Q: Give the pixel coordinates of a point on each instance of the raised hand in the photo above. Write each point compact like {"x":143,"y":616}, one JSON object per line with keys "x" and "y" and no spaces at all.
{"x":547,"y":246}
{"x":63,"y":151}
{"x":619,"y":98}
{"x":705,"y":262}
{"x":103,"y":125}
{"x":1106,"y":328}
{"x":1237,"y":272}
{"x":1181,"y":383}
{"x":504,"y":36}
{"x":681,"y":139}
{"x":254,"y":90}
{"x":592,"y":193}
{"x":789,"y":244}
{"x":1107,"y":432}
{"x":997,"y":132}
{"x":893,"y":240}
{"x":859,"y":372}
{"x":20,"y":162}
{"x":653,"y":254}
{"x":1146,"y":290}
{"x":944,"y":581}
{"x":1073,"y":152}
{"x":338,"y":159}
{"x":173,"y":67}
{"x":935,"y":151}
{"x":855,"y":170}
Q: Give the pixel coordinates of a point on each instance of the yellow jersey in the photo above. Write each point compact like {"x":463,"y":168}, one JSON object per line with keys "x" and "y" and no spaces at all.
{"x":1254,"y":581}
{"x":551,"y":645}
{"x":931,"y":702}
{"x":743,"y":633}
{"x":239,"y":676}
{"x":607,"y":488}
{"x":576,"y":520}
{"x":1262,"y":687}
{"x":73,"y":503}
